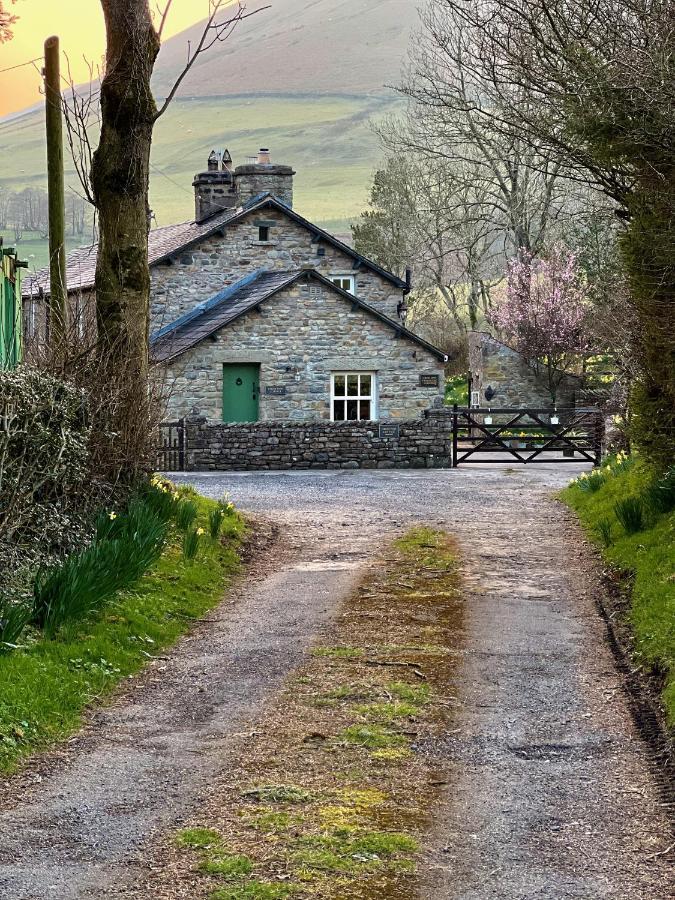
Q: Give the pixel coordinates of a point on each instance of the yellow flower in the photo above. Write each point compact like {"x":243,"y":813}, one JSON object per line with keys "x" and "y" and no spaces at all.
{"x":112,"y":516}
{"x":200,"y":531}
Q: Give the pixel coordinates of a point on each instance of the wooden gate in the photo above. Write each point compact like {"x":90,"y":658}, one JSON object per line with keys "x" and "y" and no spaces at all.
{"x":483,"y":435}
{"x":171,"y":449}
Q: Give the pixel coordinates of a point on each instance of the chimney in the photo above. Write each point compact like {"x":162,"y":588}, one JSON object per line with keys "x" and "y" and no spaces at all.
{"x":264,"y":176}
{"x":214,"y":188}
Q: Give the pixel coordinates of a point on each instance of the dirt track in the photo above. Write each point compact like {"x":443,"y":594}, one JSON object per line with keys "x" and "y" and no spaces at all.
{"x":550,"y":793}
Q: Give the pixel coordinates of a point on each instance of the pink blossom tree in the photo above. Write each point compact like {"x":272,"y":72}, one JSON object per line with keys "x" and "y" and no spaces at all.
{"x":543,"y":313}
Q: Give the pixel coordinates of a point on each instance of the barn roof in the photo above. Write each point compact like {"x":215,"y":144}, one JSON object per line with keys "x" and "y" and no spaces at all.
{"x":166,"y":242}
{"x":237,"y":299}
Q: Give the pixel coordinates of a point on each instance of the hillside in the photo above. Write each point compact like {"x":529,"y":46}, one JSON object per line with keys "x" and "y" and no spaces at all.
{"x":304,"y":78}
{"x":299,"y":46}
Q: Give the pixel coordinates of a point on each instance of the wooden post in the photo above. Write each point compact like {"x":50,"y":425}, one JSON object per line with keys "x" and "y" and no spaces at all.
{"x":454,"y":435}
{"x":58,"y":314}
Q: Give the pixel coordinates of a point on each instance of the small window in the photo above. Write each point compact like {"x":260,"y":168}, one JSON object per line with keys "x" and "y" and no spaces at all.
{"x":346,"y":282}
{"x":353,"y":396}
{"x":263,"y":233}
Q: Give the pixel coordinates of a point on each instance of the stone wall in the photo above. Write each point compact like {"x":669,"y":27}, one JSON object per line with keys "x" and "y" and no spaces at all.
{"x":320,"y":445}
{"x":298,"y":337}
{"x":497,"y":366}
{"x":201,"y":271}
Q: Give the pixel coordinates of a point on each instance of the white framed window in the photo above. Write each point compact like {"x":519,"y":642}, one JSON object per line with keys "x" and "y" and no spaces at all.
{"x":353,"y":396}
{"x":346,"y":282}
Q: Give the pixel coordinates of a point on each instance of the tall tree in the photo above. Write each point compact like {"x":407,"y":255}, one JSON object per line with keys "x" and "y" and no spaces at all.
{"x":543,"y":313}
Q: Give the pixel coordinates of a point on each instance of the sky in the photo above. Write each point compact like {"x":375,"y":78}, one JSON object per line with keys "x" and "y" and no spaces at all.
{"x":79,"y":24}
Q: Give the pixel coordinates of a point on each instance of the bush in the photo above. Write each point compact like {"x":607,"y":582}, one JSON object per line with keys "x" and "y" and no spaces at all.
{"x":629,"y":512}
{"x":186,"y":513}
{"x":44,"y":458}
{"x":125,"y":545}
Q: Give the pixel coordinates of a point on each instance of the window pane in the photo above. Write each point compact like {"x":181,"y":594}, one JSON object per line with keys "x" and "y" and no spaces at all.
{"x":365,"y":409}
{"x":352,"y":385}
{"x":366,"y":381}
{"x":347,"y":284}
{"x":352,"y":410}
{"x":339,"y":385}
{"x":338,"y":410}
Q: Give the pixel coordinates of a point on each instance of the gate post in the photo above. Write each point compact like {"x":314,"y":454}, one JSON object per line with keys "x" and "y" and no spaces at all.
{"x":182,"y":440}
{"x":454,"y":435}
{"x":598,"y":435}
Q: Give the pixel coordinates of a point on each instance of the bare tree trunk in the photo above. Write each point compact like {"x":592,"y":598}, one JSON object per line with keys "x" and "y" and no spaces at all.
{"x":120,"y":176}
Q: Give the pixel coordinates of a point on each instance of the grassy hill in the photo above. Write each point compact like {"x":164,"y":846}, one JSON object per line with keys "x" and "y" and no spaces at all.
{"x":304,"y":79}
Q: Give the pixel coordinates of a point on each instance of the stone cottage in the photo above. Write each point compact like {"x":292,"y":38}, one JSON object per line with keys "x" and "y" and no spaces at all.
{"x":257,"y":314}
{"x":501,"y":377}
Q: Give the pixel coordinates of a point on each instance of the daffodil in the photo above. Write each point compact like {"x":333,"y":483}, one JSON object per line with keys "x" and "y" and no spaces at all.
{"x":112,"y":516}
{"x":200,"y":531}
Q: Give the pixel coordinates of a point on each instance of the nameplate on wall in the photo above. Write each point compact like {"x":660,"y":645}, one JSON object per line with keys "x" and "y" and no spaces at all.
{"x":429,"y":381}
{"x":390,"y":431}
{"x":275,"y":390}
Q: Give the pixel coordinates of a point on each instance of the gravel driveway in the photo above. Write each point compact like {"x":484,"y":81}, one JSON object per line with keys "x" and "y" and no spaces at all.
{"x":550,"y":793}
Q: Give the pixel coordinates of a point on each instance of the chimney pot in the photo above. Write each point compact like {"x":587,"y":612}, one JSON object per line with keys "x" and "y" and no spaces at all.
{"x":227,"y":161}
{"x":212,"y":163}
{"x":264,"y":158}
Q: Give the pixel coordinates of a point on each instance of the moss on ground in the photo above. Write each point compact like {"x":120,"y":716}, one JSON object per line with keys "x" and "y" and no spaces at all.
{"x":646,"y":559}
{"x":46,"y":685}
{"x":336,"y":797}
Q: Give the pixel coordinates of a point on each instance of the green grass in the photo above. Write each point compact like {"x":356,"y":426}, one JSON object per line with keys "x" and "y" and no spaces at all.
{"x":372,"y":737}
{"x":46,"y":684}
{"x":647,"y":555}
{"x":199,"y":838}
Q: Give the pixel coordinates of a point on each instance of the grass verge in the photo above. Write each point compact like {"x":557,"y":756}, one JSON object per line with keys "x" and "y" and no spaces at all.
{"x":332,"y":792}
{"x":644,"y":561}
{"x":47,"y":683}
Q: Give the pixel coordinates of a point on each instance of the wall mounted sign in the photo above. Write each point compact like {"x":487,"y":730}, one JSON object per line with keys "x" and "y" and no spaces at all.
{"x":429,"y":381}
{"x":390,"y":432}
{"x":275,"y":390}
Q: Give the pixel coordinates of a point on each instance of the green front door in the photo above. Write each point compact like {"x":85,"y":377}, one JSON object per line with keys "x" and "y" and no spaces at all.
{"x":240,"y":392}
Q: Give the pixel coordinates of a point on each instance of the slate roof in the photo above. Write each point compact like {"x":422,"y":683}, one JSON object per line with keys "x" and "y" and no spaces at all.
{"x":163,"y":243}
{"x":235,"y":300}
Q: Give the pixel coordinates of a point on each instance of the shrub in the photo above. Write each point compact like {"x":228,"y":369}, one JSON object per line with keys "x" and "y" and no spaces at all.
{"x":604,"y":529}
{"x":13,"y":619}
{"x":186,"y":513}
{"x":216,"y":517}
{"x":660,"y":495}
{"x":629,"y":512}
{"x":125,"y":545}
{"x":44,"y":458}
{"x":191,"y":542}
{"x":591,"y":481}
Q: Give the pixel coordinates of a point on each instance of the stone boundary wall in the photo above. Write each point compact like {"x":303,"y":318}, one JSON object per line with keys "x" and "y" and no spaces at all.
{"x":423,"y":443}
